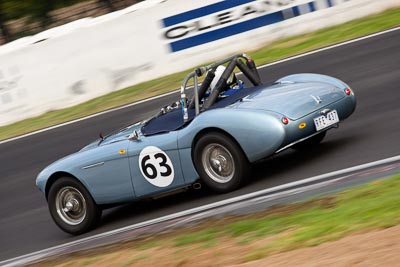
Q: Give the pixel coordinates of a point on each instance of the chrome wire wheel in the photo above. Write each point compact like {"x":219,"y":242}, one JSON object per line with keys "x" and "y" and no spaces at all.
{"x":218,"y":163}
{"x":70,"y":205}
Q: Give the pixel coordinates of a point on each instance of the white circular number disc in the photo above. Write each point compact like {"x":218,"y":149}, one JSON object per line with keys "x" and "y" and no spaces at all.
{"x":156,"y":167}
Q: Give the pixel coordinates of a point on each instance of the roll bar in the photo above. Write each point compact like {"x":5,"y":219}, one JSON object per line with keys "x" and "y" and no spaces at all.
{"x":248,"y":68}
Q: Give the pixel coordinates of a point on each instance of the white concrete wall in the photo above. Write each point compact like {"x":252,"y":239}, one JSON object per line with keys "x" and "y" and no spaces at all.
{"x":91,"y":57}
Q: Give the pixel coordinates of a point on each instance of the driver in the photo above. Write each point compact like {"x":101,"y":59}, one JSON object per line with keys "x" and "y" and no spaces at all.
{"x":232,"y":84}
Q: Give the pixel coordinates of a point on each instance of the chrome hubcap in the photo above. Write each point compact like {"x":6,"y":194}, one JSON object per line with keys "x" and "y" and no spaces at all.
{"x":218,"y":163}
{"x":71,"y":205}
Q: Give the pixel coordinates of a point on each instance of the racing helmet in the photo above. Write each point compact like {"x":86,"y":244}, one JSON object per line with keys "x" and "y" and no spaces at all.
{"x":218,"y":73}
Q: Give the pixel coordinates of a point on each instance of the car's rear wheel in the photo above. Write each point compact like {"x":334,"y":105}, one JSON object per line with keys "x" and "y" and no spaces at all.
{"x":310,"y":142}
{"x":220,"y":162}
{"x":72,"y":207}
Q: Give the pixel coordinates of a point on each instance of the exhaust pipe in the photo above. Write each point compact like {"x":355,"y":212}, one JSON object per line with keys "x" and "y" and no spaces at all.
{"x":196,"y":186}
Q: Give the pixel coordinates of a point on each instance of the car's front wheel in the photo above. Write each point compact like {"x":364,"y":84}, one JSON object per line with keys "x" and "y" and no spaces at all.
{"x":72,"y":207}
{"x":220,"y":162}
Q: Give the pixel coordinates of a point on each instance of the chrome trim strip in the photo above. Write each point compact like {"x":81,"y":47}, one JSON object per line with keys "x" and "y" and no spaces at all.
{"x":93,"y":165}
{"x":305,"y":138}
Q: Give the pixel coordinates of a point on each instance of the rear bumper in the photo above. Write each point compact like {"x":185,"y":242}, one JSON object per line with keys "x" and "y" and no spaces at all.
{"x":303,"y":128}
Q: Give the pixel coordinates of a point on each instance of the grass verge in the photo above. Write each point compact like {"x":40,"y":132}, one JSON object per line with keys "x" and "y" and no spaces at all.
{"x":241,"y":239}
{"x":271,"y":52}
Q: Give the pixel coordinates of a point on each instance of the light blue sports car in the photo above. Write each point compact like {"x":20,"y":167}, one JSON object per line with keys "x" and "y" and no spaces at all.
{"x":211,"y":138}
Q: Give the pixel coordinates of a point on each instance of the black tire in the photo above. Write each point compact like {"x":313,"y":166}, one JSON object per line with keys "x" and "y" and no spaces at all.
{"x":212,"y":156}
{"x":84,"y":214}
{"x":310,"y":142}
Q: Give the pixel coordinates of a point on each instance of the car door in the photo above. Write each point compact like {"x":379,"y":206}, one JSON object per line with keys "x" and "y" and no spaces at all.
{"x":155,"y":164}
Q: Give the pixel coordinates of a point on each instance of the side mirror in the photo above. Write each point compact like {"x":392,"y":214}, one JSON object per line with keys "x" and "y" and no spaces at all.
{"x":134,"y":136}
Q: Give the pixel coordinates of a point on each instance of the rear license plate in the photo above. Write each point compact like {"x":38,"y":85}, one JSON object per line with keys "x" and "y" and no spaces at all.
{"x":322,"y":122}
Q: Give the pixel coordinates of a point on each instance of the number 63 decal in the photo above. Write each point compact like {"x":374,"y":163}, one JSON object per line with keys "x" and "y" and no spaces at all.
{"x":156,"y":166}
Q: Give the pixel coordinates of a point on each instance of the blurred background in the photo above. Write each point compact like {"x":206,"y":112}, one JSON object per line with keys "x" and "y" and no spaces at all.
{"x":57,"y":54}
{"x":61,"y":60}
{"x":23,"y":18}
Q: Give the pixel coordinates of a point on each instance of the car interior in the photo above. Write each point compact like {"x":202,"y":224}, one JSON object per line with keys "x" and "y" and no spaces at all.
{"x":219,"y":89}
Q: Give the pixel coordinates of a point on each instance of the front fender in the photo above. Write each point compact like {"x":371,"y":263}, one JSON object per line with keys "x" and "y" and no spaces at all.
{"x":103,"y":171}
{"x":57,"y":166}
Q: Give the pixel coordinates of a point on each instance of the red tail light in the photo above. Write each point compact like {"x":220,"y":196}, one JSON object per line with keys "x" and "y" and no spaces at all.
{"x":285,"y":120}
{"x":347,"y":91}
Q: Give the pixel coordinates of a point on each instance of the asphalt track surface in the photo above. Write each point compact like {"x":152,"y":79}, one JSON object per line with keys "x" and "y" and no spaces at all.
{"x":371,"y":67}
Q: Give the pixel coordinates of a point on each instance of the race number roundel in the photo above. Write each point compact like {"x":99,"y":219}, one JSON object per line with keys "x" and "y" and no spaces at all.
{"x":156,"y":167}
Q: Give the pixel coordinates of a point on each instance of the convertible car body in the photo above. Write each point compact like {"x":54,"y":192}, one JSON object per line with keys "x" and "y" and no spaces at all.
{"x":213,"y":138}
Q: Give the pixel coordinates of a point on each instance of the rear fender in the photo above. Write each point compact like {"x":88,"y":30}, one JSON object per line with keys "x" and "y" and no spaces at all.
{"x":259,"y":133}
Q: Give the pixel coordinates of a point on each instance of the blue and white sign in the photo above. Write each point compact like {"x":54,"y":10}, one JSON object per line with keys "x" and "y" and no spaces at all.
{"x":227,"y":18}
